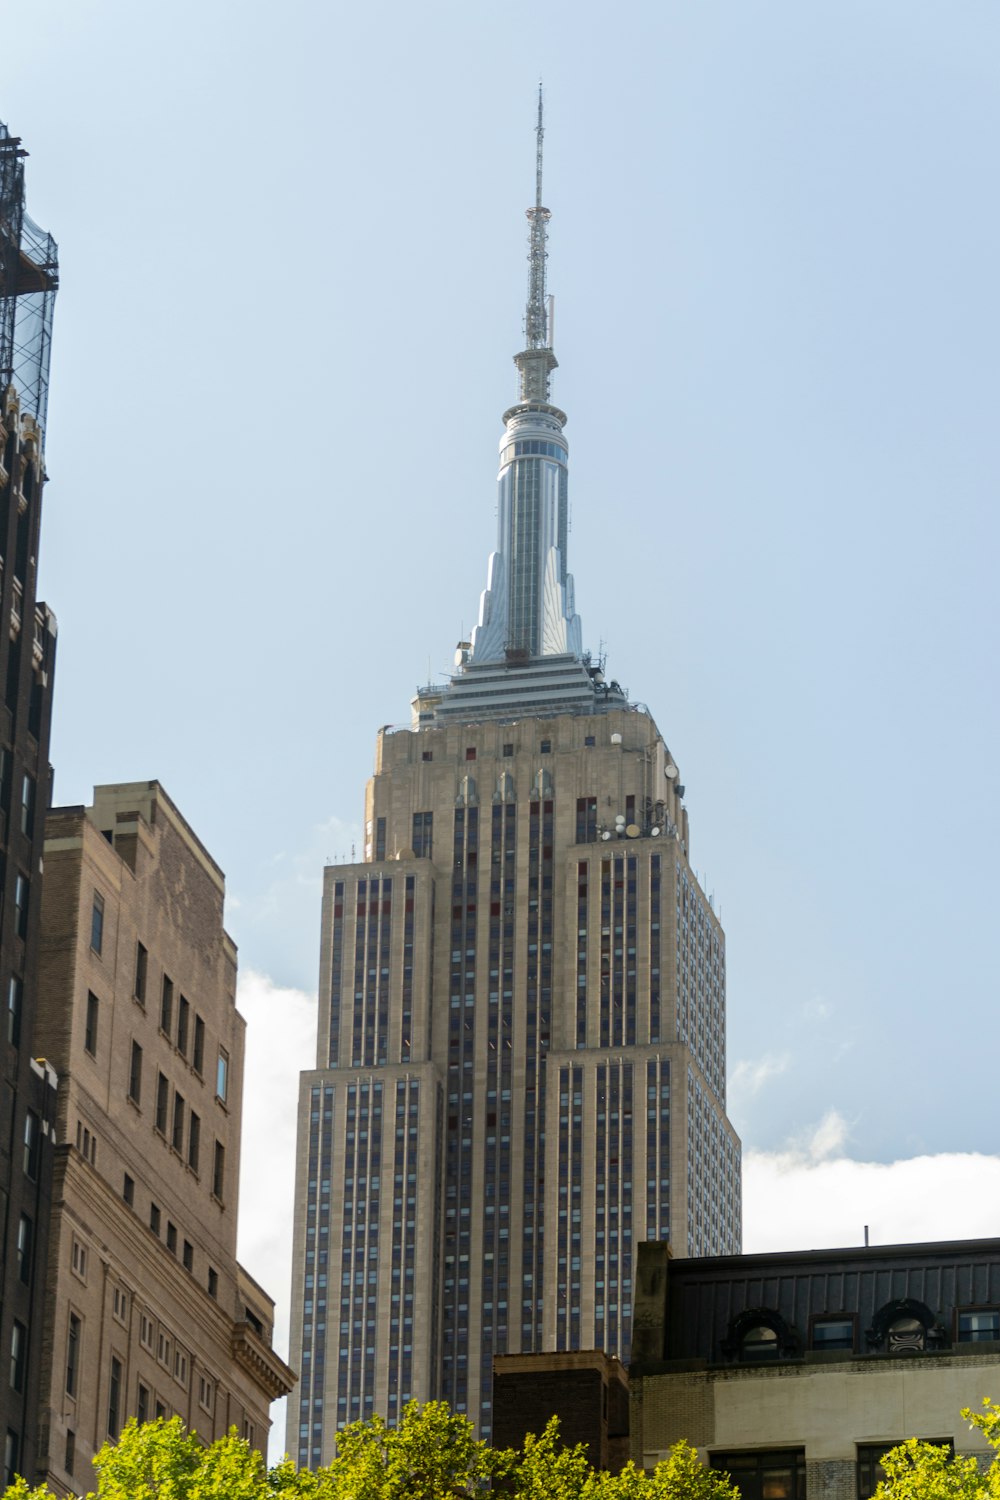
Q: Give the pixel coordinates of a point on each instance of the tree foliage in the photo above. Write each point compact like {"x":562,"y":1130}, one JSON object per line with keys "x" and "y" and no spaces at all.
{"x":431,"y":1455}
{"x":926,"y":1471}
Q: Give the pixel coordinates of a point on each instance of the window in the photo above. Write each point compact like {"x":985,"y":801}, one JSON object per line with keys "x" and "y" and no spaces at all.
{"x":180,"y":1367}
{"x":979,"y":1327}
{"x":205,"y":1392}
{"x":142,"y":1404}
{"x":213,"y":1282}
{"x":154,"y":1218}
{"x":10,"y":1456}
{"x":545,"y":747}
{"x":167,"y":1004}
{"x":22,"y":892}
{"x":128,"y":1191}
{"x":141,"y":963}
{"x":508,"y":748}
{"x":188,"y":1256}
{"x":135,"y":1074}
{"x":183,"y":1018}
{"x":18,"y":1353}
{"x":427,"y":755}
{"x":163,"y":1349}
{"x":90,"y":1030}
{"x":833,"y":1333}
{"x":906,"y":1335}
{"x":870,"y":1470}
{"x":32,"y":1137}
{"x":222,"y":1076}
{"x":177,"y":1137}
{"x":759,"y":1343}
{"x":589,"y":740}
{"x":79,"y":1260}
{"x":121,"y":1304}
{"x":25,"y":1240}
{"x":194,"y":1141}
{"x":70,"y":1451}
{"x":171,"y":1237}
{"x":470,"y":752}
{"x":146,"y":1331}
{"x":72,"y":1353}
{"x":198,"y":1060}
{"x":97,"y":923}
{"x":219,"y":1171}
{"x":779,"y":1475}
{"x":422,"y":840}
{"x":114,"y":1396}
{"x":162,"y":1096}
{"x":15,"y":997}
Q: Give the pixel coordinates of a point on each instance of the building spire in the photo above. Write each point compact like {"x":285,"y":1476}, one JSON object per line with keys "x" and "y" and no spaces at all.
{"x":535,"y":318}
{"x":536,"y":361}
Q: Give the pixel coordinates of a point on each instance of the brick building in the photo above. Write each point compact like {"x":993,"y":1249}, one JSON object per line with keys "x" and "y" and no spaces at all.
{"x":585,"y":1388}
{"x":148,"y":1312}
{"x":797,"y":1371}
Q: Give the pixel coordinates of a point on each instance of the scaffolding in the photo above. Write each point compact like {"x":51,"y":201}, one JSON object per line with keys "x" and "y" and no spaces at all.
{"x":29,"y":277}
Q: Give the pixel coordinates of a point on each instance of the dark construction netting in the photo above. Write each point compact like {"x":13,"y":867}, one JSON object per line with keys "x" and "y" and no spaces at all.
{"x":29,"y":276}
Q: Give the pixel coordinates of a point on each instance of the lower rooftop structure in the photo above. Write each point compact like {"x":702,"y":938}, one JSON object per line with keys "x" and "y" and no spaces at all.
{"x":796,"y":1371}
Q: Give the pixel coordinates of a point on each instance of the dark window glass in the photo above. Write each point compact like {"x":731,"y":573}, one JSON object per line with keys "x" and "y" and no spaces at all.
{"x":870,"y":1470}
{"x":97,"y":923}
{"x":198,"y":1059}
{"x":759,"y":1343}
{"x":141,"y":959}
{"x":72,"y":1353}
{"x":545,"y":747}
{"x":128,"y":1191}
{"x":183,"y":1019}
{"x":32,"y":1137}
{"x":70,"y":1450}
{"x":194,"y":1141}
{"x":28,"y":805}
{"x":135,"y":1074}
{"x":22,"y":892}
{"x":90,"y":1031}
{"x":15,"y":997}
{"x":12,"y":1446}
{"x":162,"y":1096}
{"x":114,"y":1397}
{"x":188,"y":1256}
{"x":177,"y":1135}
{"x":978,"y":1327}
{"x":167,"y":1005}
{"x":213,"y":1282}
{"x":142,"y":1404}
{"x":219,"y":1171}
{"x":25,"y":1240}
{"x":833,"y":1333}
{"x":154,"y":1218}
{"x":171,"y":1237}
{"x":777,"y":1475}
{"x":18,"y":1352}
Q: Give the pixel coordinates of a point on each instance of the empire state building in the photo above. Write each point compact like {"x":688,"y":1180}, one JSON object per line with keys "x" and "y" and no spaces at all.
{"x":521,"y":1059}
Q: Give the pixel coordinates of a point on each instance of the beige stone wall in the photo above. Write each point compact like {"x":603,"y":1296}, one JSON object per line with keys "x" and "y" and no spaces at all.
{"x":144,"y":1234}
{"x":826,"y":1408}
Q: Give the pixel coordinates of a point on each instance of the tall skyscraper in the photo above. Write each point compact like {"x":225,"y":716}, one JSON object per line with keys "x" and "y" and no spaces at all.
{"x":520,"y":1066}
{"x":28,"y":281}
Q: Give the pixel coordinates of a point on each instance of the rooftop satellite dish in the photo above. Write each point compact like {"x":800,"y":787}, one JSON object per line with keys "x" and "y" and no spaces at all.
{"x":654,"y":833}
{"x":633,"y":831}
{"x":670,"y":769}
{"x":616,"y":739}
{"x":606,"y":834}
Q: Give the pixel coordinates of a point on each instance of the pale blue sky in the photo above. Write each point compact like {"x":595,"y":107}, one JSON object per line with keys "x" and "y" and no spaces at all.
{"x":292,"y":246}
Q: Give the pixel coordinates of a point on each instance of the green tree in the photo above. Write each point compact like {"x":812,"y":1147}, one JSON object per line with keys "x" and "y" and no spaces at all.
{"x":925,"y":1471}
{"x":431,"y":1455}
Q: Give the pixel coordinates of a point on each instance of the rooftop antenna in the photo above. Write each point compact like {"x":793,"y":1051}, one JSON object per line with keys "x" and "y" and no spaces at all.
{"x":536,"y":322}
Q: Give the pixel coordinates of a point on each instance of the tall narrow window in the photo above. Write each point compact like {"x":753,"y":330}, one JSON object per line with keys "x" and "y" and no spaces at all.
{"x":15,"y":997}
{"x":183,"y":1017}
{"x":70,"y":1450}
{"x":90,"y":1031}
{"x":31,"y":1145}
{"x":219,"y":1171}
{"x":177,"y":1135}
{"x":25,"y":1239}
{"x":11,"y":1452}
{"x":162,"y":1096}
{"x":194,"y":1141}
{"x":135,"y":1074}
{"x":141,"y":964}
{"x":22,"y":892}
{"x":28,"y":805}
{"x":18,"y":1351}
{"x":171,"y":1237}
{"x":72,"y":1353}
{"x":142,"y":1404}
{"x":97,"y":923}
{"x":128,"y":1190}
{"x":198,"y":1059}
{"x":114,"y":1397}
{"x":167,"y":1005}
{"x":222,"y":1076}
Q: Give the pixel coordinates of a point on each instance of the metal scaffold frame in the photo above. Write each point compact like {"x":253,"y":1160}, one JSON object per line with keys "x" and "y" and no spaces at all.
{"x":29,"y":278}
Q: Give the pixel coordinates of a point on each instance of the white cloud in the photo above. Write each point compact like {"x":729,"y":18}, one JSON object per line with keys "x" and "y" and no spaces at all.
{"x":812,"y":1196}
{"x":749,"y":1077}
{"x":281,"y":1042}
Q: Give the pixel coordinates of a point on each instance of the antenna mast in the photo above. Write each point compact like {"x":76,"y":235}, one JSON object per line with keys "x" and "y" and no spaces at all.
{"x":536,"y":329}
